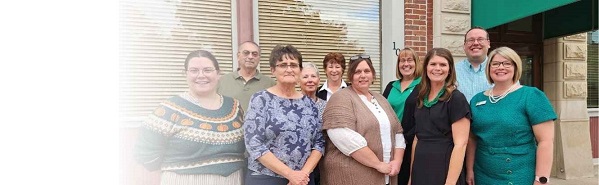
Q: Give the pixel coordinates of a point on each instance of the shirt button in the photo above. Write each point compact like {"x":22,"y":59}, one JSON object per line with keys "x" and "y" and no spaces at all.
{"x":509,"y":172}
{"x":508,"y":160}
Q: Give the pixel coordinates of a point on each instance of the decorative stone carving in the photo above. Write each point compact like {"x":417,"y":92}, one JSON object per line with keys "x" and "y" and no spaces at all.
{"x":456,"y":6}
{"x":455,"y":24}
{"x":454,"y":45}
{"x":575,"y":89}
{"x":575,"y":71}
{"x":575,"y":51}
{"x":577,"y":37}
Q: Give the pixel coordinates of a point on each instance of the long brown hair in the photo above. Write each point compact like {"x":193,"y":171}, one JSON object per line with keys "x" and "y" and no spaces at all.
{"x":425,"y":83}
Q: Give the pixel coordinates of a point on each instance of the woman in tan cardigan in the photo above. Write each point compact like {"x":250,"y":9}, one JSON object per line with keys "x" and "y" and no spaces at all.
{"x":364,"y":143}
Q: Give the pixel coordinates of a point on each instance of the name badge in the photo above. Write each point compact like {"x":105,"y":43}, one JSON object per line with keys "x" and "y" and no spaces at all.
{"x":481,"y":102}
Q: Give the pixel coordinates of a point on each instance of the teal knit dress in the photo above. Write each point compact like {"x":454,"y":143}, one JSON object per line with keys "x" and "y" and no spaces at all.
{"x":506,"y":146}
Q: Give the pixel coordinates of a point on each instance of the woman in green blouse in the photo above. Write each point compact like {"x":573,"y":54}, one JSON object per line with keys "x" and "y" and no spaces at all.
{"x":408,"y":74}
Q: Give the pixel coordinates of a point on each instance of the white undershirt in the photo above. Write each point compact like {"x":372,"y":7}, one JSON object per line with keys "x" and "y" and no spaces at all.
{"x":325,"y":87}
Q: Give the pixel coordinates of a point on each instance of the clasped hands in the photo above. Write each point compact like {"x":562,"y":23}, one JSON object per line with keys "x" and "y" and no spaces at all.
{"x":390,"y":169}
{"x":298,"y":177}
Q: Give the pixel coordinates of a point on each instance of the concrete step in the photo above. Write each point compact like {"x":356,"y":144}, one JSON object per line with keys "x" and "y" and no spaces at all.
{"x":579,"y":181}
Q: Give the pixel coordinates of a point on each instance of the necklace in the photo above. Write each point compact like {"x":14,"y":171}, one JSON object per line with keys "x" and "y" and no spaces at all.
{"x":373,"y":102}
{"x":495,"y":99}
{"x":376,"y":104}
{"x":429,"y":104}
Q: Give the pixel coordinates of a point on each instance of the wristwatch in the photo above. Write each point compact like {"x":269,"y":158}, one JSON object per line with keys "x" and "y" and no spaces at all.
{"x":542,"y":179}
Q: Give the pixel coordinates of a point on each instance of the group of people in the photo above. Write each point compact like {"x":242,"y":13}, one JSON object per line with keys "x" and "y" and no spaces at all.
{"x":439,"y":123}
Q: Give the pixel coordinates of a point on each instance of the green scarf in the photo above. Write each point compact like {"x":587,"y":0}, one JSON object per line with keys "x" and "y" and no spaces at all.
{"x":429,"y":104}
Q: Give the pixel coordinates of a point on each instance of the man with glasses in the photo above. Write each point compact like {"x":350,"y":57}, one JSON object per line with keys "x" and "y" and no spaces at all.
{"x":471,"y":71}
{"x":247,"y":80}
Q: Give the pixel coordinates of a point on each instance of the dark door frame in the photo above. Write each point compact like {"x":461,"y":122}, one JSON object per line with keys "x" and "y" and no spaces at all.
{"x":525,"y":36}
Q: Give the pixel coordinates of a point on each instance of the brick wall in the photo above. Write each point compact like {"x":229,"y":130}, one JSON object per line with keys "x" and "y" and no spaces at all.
{"x":419,"y":25}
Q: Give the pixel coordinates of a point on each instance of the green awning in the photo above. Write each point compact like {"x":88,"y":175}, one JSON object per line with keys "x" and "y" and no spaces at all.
{"x":491,"y":13}
{"x":570,"y":19}
{"x":560,"y":17}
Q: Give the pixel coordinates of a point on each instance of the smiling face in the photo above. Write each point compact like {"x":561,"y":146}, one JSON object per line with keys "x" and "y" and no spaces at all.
{"x":476,"y":44}
{"x":334,"y":71}
{"x":202,"y":76}
{"x":501,"y":73}
{"x":309,"y":80}
{"x":406,"y":65}
{"x":287,"y":71}
{"x":362,"y":77}
{"x":437,"y":69}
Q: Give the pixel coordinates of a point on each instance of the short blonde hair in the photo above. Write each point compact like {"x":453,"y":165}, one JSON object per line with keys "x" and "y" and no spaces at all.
{"x":509,"y":54}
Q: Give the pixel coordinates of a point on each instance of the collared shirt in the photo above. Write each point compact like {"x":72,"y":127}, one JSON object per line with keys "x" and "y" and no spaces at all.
{"x":234,"y":85}
{"x":329,"y":92}
{"x":471,"y":81}
{"x":397,"y":98}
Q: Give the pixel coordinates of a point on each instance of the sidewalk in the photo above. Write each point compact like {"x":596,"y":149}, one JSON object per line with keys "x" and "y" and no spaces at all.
{"x":580,"y":181}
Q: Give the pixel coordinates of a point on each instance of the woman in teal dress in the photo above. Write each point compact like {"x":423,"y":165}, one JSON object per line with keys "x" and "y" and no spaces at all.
{"x":408,"y":74}
{"x":511,"y":139}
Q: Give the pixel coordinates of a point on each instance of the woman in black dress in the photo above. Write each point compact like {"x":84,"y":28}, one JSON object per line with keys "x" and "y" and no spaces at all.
{"x":442,"y":119}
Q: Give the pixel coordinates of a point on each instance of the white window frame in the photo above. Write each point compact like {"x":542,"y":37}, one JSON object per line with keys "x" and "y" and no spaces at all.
{"x":392,"y":31}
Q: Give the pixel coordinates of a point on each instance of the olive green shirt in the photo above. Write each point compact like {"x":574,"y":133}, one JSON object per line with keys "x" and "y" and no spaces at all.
{"x":233,"y":85}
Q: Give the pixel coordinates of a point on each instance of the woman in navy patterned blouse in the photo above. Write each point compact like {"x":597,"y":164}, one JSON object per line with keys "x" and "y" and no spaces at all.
{"x":282,"y":129}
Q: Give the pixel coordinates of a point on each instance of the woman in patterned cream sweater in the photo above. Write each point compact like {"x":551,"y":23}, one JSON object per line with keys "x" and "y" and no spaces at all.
{"x":195,"y":137}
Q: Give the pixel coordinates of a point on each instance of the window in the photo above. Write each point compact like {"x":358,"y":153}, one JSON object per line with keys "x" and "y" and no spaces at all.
{"x":592,"y":70}
{"x":155,"y":38}
{"x":319,"y":27}
{"x":527,"y":72}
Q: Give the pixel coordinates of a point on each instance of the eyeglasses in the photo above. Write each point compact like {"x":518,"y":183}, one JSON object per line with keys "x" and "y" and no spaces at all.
{"x":406,"y":60}
{"x":506,"y":64}
{"x":288,"y":65}
{"x":205,"y":71}
{"x":358,"y":57}
{"x":479,"y":40}
{"x":246,"y":53}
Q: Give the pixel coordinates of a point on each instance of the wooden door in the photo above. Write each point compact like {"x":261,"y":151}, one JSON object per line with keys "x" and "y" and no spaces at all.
{"x":525,"y":37}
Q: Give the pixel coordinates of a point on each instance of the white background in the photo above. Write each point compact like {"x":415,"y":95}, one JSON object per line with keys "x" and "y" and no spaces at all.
{"x":59,"y":92}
